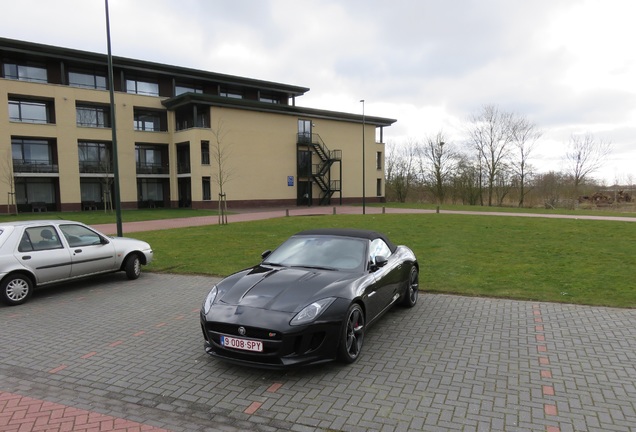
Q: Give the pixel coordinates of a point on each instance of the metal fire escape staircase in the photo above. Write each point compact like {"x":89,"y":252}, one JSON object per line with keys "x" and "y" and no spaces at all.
{"x":321,"y":172}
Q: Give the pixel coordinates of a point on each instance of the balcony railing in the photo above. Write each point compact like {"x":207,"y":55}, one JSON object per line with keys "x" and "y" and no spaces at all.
{"x":34,"y":166}
{"x":152,"y":168}
{"x":183,"y":168}
{"x":98,"y":167}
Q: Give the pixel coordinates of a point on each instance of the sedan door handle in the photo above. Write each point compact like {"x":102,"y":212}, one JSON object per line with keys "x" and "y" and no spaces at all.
{"x":77,"y":251}
{"x":26,"y":257}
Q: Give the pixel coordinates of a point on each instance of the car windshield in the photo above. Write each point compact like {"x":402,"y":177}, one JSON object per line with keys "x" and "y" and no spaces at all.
{"x":323,"y":252}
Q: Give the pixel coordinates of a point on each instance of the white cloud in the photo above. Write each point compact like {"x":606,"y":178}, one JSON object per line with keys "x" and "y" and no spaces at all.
{"x":568,"y":65}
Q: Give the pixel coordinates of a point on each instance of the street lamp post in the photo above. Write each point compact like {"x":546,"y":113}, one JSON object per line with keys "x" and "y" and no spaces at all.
{"x":111,"y":85}
{"x":364,"y":210}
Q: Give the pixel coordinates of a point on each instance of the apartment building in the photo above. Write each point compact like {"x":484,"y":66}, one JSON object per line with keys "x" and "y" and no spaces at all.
{"x":182,"y":137}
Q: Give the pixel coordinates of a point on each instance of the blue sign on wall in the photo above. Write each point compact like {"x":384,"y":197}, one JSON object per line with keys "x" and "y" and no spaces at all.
{"x":290,"y":180}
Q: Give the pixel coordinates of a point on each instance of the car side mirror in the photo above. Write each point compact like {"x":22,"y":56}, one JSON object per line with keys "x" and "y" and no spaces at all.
{"x":378,"y":262}
{"x":266,"y":254}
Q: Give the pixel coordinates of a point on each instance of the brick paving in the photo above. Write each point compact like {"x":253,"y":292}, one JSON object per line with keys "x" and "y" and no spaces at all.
{"x":111,"y":354}
{"x":131,"y":353}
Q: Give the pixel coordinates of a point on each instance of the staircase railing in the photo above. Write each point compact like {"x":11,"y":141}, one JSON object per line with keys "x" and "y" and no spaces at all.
{"x":321,"y":171}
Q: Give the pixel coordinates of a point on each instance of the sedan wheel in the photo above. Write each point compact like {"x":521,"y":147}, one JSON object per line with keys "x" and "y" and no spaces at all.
{"x":412,"y":291}
{"x":352,"y":335}
{"x":132,"y":266}
{"x":16,"y":289}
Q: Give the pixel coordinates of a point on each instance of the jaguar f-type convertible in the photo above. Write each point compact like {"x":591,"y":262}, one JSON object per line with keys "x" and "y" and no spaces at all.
{"x":310,"y":300}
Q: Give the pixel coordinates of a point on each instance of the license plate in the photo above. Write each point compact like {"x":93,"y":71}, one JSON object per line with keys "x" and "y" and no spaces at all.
{"x":242,"y":344}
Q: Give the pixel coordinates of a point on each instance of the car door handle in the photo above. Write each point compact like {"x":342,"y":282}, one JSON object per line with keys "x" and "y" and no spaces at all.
{"x":77,"y":251}
{"x":26,"y":257}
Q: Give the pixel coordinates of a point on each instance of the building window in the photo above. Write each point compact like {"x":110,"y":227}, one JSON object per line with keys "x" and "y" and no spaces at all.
{"x":97,"y":116}
{"x":304,"y":131}
{"x":33,"y":155}
{"x":378,"y":160}
{"x":268,"y":98}
{"x":181,"y":89}
{"x":232,"y":93}
{"x":207,"y":188}
{"x":150,"y":191}
{"x":205,"y":152}
{"x":92,"y":190}
{"x":30,"y":111}
{"x":183,"y":158}
{"x":142,"y":87}
{"x":192,"y":116}
{"x":95,"y":157}
{"x":151,"y":159}
{"x":87,"y":80}
{"x":378,"y":187}
{"x":25,"y":73}
{"x":150,"y":121}
{"x":34,"y":190}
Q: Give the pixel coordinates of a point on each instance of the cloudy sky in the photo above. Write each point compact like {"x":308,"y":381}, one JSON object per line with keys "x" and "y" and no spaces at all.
{"x":569,"y":66}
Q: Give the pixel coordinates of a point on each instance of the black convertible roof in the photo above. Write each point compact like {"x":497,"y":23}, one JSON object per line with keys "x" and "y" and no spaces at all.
{"x":349,"y":232}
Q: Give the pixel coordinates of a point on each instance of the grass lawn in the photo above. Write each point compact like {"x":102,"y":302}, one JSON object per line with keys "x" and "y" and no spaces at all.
{"x":622,"y":210}
{"x":556,"y":260}
{"x":100,"y":217}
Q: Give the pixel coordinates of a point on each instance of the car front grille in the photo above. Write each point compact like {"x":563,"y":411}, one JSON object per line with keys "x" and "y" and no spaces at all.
{"x":250,"y":332}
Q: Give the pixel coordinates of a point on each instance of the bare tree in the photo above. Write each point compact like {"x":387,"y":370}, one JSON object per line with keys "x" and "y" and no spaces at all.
{"x":466,"y":181}
{"x":221,"y":152}
{"x":549,"y":187}
{"x":438,"y":160}
{"x":585,"y":155}
{"x":8,"y":179}
{"x":401,"y":161}
{"x":524,"y":137}
{"x":490,"y":135}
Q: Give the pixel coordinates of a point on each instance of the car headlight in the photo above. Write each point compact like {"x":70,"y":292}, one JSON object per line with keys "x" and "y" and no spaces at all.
{"x":311,"y":312}
{"x":207,"y":304}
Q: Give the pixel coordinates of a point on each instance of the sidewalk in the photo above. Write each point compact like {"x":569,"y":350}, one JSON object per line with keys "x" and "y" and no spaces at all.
{"x":244,"y":215}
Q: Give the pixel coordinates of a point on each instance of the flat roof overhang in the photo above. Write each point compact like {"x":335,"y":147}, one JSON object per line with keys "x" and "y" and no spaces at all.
{"x":31,"y":50}
{"x":188,"y":99}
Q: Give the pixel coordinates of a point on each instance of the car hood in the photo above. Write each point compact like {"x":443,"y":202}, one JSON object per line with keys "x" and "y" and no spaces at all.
{"x":283,"y":289}
{"x":127,"y":242}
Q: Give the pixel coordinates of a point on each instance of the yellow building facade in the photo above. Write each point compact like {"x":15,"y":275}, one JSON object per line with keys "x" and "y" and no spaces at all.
{"x":182,"y":137}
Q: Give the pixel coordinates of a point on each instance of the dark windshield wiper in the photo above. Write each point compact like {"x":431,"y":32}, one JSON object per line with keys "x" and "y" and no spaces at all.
{"x":315,"y":267}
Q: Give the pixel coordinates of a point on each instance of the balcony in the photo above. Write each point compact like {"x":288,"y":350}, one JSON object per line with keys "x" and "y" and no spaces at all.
{"x":152,"y":168}
{"x":34,"y":166}
{"x":95,"y":167}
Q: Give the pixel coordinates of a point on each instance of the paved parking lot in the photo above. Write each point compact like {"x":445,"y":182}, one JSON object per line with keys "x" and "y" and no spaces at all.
{"x":133,"y":350}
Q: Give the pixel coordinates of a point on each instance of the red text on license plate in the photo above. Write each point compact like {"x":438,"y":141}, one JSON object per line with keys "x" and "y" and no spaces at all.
{"x":242,"y":344}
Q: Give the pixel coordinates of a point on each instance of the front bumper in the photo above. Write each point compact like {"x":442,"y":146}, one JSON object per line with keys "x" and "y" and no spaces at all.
{"x":283,"y":345}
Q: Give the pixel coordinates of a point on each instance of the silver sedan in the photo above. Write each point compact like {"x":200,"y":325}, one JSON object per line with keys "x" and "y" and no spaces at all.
{"x":38,"y":253}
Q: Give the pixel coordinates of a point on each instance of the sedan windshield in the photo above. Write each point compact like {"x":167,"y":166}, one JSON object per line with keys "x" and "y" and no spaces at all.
{"x":322,"y":252}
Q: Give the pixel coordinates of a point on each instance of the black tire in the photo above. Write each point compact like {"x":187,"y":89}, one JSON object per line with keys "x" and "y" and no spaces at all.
{"x":16,"y":289}
{"x":132,"y":266}
{"x":352,"y":335}
{"x":412,"y":290}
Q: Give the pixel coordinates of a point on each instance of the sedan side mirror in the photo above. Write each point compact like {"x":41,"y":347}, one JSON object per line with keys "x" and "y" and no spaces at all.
{"x":266,"y":254}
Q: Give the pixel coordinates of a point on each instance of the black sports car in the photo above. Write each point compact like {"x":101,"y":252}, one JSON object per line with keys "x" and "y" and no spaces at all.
{"x":310,"y":300}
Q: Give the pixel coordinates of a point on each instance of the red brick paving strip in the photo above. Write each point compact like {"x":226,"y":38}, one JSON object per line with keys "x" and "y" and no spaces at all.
{"x":20,"y":413}
{"x":548,"y":390}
